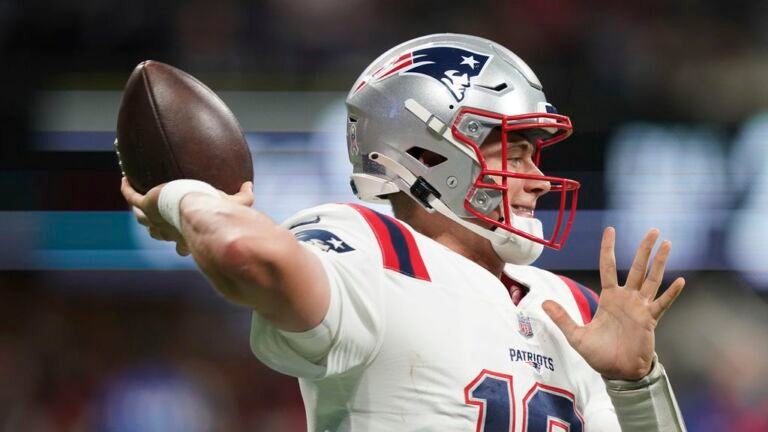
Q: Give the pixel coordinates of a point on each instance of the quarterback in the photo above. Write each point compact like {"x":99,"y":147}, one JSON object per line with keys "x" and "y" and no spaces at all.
{"x":435,"y":320}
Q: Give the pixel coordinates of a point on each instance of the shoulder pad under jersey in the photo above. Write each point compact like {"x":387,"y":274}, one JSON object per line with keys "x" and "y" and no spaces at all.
{"x":340,"y":228}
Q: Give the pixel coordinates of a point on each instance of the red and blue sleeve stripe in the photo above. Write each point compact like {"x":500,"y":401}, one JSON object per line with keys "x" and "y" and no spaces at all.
{"x":586,"y":299}
{"x":399,"y":251}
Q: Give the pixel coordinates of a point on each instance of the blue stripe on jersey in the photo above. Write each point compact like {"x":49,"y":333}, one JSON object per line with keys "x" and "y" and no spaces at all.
{"x":400,"y":245}
{"x":590,"y":296}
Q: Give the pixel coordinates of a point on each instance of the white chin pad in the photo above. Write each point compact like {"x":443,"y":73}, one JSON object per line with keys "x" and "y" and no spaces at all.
{"x":514,"y":249}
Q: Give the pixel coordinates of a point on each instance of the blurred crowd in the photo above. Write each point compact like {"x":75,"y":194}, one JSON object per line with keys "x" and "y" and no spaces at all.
{"x":699,"y":60}
{"x":76,"y":356}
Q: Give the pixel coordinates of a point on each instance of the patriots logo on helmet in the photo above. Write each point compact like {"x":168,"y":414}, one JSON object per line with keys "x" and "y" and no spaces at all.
{"x":455,"y":68}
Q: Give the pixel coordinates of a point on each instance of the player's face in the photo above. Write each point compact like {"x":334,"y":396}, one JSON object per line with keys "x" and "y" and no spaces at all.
{"x":523,"y":193}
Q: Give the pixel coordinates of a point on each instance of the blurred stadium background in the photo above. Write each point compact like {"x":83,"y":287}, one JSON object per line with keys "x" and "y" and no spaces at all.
{"x":106,"y":330}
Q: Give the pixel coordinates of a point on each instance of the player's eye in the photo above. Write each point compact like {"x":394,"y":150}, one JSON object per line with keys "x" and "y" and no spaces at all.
{"x":514,"y":161}
{"x":517,"y":154}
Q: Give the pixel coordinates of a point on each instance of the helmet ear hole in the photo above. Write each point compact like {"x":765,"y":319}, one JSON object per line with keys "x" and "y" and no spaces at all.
{"x":427,"y":158}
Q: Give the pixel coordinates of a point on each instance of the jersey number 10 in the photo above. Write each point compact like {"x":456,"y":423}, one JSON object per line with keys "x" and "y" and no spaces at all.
{"x":544,"y":408}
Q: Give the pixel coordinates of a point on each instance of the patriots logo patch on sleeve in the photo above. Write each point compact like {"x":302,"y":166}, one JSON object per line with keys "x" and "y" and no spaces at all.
{"x":306,"y":222}
{"x":324,"y":240}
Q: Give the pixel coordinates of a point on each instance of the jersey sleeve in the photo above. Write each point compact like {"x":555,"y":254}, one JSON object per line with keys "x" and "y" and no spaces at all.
{"x":586,"y":299}
{"x":351,"y":331}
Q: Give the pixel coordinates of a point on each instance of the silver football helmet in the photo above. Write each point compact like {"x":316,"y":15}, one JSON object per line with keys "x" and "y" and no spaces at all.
{"x":444,"y":94}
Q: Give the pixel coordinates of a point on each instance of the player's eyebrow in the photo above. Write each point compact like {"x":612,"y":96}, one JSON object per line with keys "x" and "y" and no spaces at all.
{"x":517,"y":142}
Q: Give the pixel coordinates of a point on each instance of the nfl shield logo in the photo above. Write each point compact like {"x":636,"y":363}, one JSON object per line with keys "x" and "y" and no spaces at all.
{"x":524,"y":326}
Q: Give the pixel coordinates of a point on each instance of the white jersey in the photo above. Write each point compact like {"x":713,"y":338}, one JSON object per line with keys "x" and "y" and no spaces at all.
{"x":424,"y":339}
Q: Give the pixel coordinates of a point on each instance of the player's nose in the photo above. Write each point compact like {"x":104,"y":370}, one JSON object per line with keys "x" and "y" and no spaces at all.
{"x":537,"y":186}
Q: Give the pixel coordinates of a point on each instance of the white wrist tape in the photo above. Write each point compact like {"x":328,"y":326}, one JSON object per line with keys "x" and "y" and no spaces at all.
{"x":172,"y":193}
{"x":646,"y":405}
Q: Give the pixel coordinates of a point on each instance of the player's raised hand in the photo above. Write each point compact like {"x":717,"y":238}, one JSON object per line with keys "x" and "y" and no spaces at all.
{"x":619,"y":343}
{"x":147,"y":213}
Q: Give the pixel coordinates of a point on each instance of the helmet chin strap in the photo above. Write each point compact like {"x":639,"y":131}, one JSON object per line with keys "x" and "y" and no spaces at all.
{"x":519,"y":250}
{"x":511,"y":248}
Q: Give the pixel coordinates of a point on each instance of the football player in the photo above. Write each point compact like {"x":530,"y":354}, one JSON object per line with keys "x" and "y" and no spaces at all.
{"x":434,"y":319}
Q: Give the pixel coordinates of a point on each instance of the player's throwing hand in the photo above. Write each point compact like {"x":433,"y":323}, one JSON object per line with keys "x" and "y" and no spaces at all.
{"x":146,"y":210}
{"x":619,"y":342}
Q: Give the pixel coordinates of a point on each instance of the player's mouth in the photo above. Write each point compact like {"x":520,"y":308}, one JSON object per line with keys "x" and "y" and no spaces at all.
{"x":522,"y":211}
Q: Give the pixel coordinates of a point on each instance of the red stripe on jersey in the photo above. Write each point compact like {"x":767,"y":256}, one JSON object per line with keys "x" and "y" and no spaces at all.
{"x":585,"y":309}
{"x":419,"y":269}
{"x":391,"y":255}
{"x":388,"y":253}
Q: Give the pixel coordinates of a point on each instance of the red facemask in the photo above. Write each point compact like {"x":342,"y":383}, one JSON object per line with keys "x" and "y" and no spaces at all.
{"x":542,"y":130}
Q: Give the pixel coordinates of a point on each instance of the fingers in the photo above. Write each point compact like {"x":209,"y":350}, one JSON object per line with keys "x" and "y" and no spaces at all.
{"x":245,"y":195}
{"x":131,"y":196}
{"x":665,"y":300}
{"x":563,"y":321}
{"x":182,"y":249}
{"x":140,"y":216}
{"x":656,"y":275}
{"x":157,"y":234}
{"x":608,"y":277}
{"x":166,"y":234}
{"x":640,"y":263}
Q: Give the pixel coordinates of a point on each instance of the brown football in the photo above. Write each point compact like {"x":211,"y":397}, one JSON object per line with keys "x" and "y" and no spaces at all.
{"x":171,"y":126}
